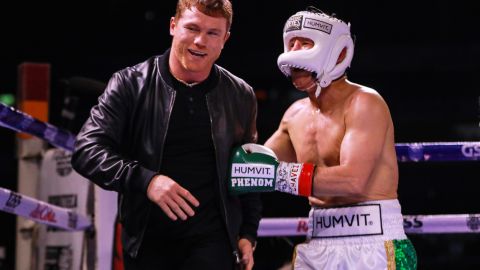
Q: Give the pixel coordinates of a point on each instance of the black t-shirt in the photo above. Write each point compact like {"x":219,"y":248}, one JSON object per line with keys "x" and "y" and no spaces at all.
{"x":189,"y":159}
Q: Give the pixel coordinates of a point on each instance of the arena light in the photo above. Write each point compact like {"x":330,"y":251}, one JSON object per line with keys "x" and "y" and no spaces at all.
{"x":7,"y":99}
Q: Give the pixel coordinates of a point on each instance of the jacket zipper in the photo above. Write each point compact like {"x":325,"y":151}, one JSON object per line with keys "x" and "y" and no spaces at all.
{"x":222,"y":196}
{"x":161,"y":153}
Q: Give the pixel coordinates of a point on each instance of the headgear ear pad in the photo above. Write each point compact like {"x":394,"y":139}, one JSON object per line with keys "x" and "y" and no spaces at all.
{"x":330,"y":37}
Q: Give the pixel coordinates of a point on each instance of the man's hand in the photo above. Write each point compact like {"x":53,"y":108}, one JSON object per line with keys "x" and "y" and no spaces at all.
{"x":173,"y":199}
{"x":246,"y":254}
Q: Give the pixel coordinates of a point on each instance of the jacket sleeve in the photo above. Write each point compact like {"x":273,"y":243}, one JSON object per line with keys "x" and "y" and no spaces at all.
{"x":99,"y":155}
{"x":251,"y":203}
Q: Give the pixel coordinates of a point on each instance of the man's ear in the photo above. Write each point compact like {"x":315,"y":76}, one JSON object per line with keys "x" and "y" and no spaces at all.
{"x":342,"y":55}
{"x":172,"y":25}
{"x":227,"y":36}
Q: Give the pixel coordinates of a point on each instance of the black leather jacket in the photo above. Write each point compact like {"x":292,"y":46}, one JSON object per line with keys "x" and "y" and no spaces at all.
{"x":120,"y":146}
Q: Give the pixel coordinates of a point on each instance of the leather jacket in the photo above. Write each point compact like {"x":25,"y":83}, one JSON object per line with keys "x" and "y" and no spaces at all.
{"x":121,"y":144}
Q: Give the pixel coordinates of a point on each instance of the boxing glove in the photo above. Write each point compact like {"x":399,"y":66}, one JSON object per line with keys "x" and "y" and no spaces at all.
{"x":255,"y":168}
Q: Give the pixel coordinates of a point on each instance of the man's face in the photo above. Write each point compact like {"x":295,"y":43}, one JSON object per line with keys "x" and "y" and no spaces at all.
{"x":300,"y":43}
{"x":301,"y":78}
{"x":197,"y":42}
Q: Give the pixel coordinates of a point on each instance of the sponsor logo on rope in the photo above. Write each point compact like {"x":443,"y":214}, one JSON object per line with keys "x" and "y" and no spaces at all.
{"x":43,"y":213}
{"x":72,"y":219}
{"x":473,"y":222}
{"x":471,"y":150}
{"x":14,"y":200}
{"x":302,"y":226}
{"x":65,"y":201}
{"x":412,"y":222}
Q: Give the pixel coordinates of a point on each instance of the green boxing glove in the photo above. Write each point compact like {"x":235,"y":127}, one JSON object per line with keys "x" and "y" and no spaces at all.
{"x":255,"y":168}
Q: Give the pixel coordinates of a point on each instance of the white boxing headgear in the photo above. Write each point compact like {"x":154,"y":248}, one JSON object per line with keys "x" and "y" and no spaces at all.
{"x":330,"y":35}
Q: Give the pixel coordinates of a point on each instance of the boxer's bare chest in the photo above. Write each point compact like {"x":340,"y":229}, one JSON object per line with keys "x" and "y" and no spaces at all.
{"x":317,"y":136}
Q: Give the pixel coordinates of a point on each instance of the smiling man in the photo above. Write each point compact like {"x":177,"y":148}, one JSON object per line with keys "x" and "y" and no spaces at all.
{"x":161,"y":136}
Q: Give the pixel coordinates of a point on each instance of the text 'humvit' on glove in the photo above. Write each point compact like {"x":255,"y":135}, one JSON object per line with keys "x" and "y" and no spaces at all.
{"x":255,"y":168}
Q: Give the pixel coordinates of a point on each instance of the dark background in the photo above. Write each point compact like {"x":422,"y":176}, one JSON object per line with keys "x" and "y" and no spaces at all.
{"x":421,"y":56}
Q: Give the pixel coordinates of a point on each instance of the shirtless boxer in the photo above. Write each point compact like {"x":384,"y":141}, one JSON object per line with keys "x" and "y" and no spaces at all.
{"x":337,"y":147}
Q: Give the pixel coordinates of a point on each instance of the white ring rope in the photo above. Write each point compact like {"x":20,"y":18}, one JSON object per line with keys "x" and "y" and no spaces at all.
{"x":19,"y":121}
{"x":413,"y":224}
{"x":42,"y":212}
{"x":64,"y":218}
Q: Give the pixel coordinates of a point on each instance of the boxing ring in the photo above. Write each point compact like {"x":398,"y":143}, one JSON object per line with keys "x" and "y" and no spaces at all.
{"x":64,"y":218}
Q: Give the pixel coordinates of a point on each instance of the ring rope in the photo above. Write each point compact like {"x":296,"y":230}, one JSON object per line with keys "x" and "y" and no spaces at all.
{"x":65,"y":218}
{"x":406,"y":152}
{"x":413,"y":224}
{"x":21,"y":122}
{"x":42,"y":212}
{"x":438,"y":151}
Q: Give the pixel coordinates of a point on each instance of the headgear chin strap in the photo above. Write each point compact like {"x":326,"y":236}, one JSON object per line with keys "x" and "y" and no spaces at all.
{"x":330,"y":36}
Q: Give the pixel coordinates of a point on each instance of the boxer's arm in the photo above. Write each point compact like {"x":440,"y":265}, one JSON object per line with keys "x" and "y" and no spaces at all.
{"x":280,"y":141}
{"x":366,"y":127}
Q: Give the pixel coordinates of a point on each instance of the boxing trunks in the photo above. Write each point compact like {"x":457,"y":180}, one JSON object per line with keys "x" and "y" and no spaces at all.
{"x":368,"y":235}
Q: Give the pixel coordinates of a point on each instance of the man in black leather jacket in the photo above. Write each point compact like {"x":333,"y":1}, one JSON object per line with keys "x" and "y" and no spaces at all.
{"x":161,"y":136}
